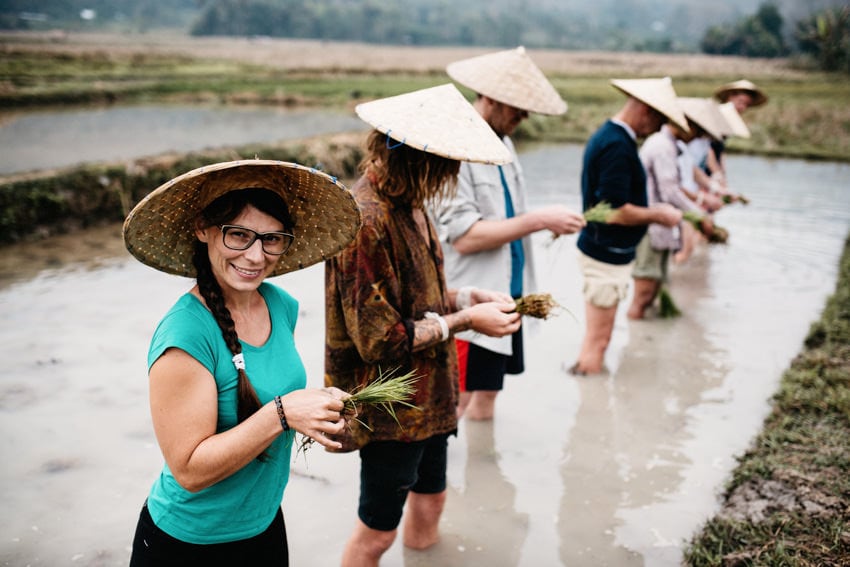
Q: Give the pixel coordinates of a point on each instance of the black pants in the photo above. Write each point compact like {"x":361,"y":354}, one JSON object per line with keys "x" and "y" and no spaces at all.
{"x":152,"y":547}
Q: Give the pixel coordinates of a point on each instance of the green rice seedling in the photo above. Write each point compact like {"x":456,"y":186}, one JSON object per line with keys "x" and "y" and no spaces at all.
{"x":730,"y":198}
{"x":718,"y":236}
{"x":600,"y":212}
{"x":667,"y":308}
{"x":383,"y":392}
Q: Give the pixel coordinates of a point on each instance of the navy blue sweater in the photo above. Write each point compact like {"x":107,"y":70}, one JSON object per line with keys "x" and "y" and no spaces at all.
{"x":612,"y":172}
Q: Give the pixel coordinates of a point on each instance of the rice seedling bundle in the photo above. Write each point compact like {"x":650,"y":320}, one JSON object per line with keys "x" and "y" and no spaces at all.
{"x":719,"y":236}
{"x":600,"y":212}
{"x":667,"y":308}
{"x":539,"y":305}
{"x":729,"y":198}
{"x":382,"y":392}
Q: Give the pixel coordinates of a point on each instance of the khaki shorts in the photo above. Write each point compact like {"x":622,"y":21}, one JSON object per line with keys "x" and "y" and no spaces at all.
{"x":650,"y":264}
{"x":605,"y":284}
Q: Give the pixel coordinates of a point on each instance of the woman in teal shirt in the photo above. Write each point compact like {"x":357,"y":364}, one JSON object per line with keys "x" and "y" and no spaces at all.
{"x":227,"y":386}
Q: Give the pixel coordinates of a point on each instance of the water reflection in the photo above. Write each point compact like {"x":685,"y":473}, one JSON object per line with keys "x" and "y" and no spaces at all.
{"x":57,"y":138}
{"x":481,"y":525}
{"x":628,"y":438}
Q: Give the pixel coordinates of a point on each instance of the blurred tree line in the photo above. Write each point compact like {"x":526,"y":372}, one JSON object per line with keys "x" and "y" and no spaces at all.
{"x":541,"y":23}
{"x":819,"y":29}
{"x":824,"y":36}
{"x":759,"y":35}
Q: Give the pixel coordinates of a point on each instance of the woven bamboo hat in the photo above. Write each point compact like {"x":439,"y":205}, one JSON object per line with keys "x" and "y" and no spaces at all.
{"x":509,"y":77}
{"x":735,"y":125}
{"x":722,"y":93}
{"x":160,"y":230}
{"x":706,"y":114}
{"x":657,"y":93}
{"x":437,"y":120}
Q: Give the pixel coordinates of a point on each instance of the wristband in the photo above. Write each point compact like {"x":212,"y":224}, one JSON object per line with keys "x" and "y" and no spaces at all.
{"x":281,"y":416}
{"x":443,"y":325}
{"x":464,"y":297}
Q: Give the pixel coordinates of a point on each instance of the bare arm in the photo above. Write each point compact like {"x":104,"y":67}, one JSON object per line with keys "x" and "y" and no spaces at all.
{"x":490,"y":234}
{"x":492,"y":313}
{"x":184,"y":409}
{"x":633,"y":215}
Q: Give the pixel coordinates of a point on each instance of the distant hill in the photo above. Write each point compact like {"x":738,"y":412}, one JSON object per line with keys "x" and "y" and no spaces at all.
{"x":623,"y":25}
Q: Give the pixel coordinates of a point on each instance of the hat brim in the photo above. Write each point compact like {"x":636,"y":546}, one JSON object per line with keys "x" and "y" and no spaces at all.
{"x":735,"y":124}
{"x":705,"y":113}
{"x":657,"y":94}
{"x":439,"y":121}
{"x":160,"y":230}
{"x":509,"y":77}
{"x":759,"y":98}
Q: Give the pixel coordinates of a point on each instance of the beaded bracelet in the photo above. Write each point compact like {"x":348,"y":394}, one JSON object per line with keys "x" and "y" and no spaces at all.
{"x":280,"y":414}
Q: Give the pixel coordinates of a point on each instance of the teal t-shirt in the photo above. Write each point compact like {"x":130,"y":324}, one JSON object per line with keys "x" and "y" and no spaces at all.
{"x":244,"y":504}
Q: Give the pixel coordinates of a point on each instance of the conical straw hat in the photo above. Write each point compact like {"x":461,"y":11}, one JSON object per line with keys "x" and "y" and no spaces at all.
{"x":509,"y":77}
{"x":657,"y":93}
{"x":437,"y":120}
{"x":722,"y":93}
{"x":160,"y":233}
{"x":735,"y":124}
{"x":706,"y":114}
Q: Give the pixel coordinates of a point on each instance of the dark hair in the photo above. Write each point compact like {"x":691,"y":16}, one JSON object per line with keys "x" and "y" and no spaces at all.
{"x":406,"y":176}
{"x":221,"y":211}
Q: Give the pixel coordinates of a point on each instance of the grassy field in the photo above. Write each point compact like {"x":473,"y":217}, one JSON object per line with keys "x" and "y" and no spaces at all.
{"x":807,"y":117}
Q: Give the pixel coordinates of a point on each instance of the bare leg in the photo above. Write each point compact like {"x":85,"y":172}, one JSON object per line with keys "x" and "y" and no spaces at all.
{"x":366,"y":546}
{"x":482,"y":405}
{"x":645,"y":292}
{"x":600,"y":325}
{"x":463,"y":403}
{"x":422,"y":519}
{"x":689,"y":240}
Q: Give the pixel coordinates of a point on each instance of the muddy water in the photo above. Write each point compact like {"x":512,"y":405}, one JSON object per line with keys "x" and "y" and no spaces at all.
{"x":615,"y":470}
{"x":46,"y":139}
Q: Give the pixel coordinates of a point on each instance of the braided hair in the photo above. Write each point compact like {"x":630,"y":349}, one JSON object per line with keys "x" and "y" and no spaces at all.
{"x":221,"y":211}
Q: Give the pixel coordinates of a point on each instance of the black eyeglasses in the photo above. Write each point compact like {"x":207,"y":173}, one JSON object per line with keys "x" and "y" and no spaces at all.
{"x":240,"y":238}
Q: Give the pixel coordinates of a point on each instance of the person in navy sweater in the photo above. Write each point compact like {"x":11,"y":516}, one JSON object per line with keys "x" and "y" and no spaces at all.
{"x":612,"y":173}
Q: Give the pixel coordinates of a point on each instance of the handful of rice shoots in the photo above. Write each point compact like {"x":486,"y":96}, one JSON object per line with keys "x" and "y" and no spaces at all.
{"x":729,"y":198}
{"x":383,"y":392}
{"x":667,"y":308}
{"x":718,"y":236}
{"x":600,"y":212}
{"x":539,"y":305}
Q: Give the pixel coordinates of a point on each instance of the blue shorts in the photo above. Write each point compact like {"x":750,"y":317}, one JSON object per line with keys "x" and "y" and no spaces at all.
{"x":391,"y":469}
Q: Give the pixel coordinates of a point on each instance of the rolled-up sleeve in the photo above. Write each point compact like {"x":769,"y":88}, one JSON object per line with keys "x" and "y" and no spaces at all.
{"x":456,"y":216}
